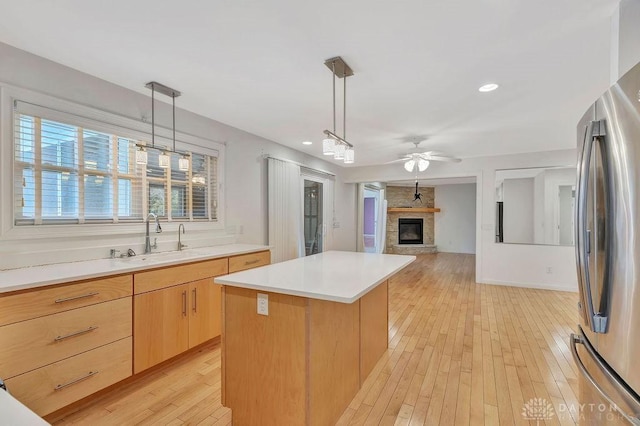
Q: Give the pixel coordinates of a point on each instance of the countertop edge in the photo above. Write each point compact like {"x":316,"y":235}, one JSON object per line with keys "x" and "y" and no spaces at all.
{"x":311,"y":295}
{"x":122,"y":268}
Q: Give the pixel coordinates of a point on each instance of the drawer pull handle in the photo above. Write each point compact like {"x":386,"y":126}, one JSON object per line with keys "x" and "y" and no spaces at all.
{"x":82,"y":296}
{"x":184,"y":303}
{"x":252,"y":262}
{"x":74,"y":334}
{"x":195,"y":300}
{"x":73,"y":382}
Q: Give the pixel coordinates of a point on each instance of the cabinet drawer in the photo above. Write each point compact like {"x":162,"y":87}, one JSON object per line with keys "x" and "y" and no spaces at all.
{"x":174,"y":275}
{"x":248,"y":261}
{"x":32,"y":304}
{"x":35,"y":343}
{"x":57,"y":385}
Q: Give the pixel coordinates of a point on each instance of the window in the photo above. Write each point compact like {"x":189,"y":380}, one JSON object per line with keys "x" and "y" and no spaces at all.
{"x":67,"y":173}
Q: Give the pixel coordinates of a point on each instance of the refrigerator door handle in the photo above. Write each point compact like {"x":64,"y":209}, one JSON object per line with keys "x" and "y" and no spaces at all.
{"x":597,"y":321}
{"x":582,"y":234}
{"x":629,"y":398}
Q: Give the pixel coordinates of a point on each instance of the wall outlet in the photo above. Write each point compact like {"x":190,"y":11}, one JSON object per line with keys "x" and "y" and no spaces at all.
{"x":263,"y":304}
{"x":549,"y":270}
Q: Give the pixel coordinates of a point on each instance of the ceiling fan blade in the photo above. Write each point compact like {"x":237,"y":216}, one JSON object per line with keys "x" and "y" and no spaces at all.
{"x":442,"y":158}
{"x":397,"y":161}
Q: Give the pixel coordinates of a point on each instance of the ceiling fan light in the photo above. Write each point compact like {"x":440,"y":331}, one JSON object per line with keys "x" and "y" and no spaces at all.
{"x":409,"y":165}
{"x":328,"y":146}
{"x":349,"y":156}
{"x":423,"y":164}
{"x":339,"y":151}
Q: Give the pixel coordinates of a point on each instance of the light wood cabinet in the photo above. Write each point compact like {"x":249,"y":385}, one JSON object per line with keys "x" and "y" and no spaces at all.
{"x":171,"y":320}
{"x":40,"y":341}
{"x":249,"y":261}
{"x":204,"y":314}
{"x":160,"y":326}
{"x":65,"y":342}
{"x":180,"y":307}
{"x":24,"y":305}
{"x":57,"y":385}
{"x":165,"y":277}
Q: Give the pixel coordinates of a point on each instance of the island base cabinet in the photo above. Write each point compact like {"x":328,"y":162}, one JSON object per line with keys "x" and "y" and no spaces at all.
{"x":264,"y":367}
{"x":57,"y":385}
{"x":374,"y":328}
{"x":298,"y":365}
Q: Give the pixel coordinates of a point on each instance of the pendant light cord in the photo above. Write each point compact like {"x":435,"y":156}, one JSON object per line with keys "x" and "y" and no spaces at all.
{"x":334,"y":96}
{"x":153,"y":117}
{"x":344,"y":107}
{"x":173,"y":96}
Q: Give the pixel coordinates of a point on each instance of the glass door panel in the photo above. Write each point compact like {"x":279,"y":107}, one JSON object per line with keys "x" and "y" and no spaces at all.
{"x":313,"y":217}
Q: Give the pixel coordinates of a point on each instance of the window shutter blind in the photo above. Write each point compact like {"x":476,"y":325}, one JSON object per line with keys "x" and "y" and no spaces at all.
{"x":67,"y":173}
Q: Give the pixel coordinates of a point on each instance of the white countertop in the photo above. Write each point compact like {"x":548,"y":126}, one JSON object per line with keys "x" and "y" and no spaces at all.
{"x":338,"y":276}
{"x":16,"y":414}
{"x":37,"y":276}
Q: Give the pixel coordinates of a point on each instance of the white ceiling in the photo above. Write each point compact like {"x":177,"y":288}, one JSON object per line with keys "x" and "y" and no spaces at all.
{"x":433,"y":182}
{"x":258,"y":65}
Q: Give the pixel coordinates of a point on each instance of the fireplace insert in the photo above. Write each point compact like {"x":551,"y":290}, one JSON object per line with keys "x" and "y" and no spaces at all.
{"x":410,"y":231}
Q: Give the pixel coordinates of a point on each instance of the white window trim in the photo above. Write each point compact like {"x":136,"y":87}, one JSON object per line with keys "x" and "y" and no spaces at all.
{"x":135,"y":128}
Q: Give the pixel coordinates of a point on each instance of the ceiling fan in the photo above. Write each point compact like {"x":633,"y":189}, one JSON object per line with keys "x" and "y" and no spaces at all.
{"x":418,"y":159}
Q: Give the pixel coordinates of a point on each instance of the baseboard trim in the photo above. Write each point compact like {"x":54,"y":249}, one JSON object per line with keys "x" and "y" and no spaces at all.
{"x":537,"y":286}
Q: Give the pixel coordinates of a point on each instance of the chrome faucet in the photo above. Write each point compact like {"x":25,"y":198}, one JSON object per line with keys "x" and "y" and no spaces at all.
{"x":180,"y":245}
{"x":147,"y":240}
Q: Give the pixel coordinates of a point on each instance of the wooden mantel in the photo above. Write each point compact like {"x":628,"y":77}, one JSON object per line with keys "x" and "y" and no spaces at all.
{"x":413,"y":210}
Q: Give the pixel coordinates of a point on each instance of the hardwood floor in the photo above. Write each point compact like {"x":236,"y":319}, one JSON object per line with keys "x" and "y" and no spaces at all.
{"x":462,"y":353}
{"x":459,"y":353}
{"x":184,"y":392}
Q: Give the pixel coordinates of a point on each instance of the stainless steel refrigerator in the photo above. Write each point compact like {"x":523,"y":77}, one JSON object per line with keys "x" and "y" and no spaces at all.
{"x":607,"y":346}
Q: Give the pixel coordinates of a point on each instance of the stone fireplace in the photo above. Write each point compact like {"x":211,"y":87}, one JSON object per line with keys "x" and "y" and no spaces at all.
{"x":401,"y":198}
{"x":410,"y":231}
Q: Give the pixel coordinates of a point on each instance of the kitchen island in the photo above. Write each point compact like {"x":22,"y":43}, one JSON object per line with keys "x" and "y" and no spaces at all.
{"x":300,"y":337}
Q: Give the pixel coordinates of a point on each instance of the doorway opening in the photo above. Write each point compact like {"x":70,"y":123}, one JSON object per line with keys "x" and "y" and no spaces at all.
{"x":371,"y":220}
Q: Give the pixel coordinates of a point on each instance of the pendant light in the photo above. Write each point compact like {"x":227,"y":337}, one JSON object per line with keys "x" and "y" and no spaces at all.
{"x":333,"y":144}
{"x":328,"y":146}
{"x":349,"y":155}
{"x":164,"y":159}
{"x":183,"y":163}
{"x":141,"y":155}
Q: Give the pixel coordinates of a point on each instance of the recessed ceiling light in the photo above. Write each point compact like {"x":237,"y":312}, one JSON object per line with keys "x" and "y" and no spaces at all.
{"x":307,"y":143}
{"x":490,"y":87}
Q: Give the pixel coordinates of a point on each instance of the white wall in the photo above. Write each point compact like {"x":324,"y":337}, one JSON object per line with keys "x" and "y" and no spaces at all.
{"x":522,"y":264}
{"x":245,"y":180}
{"x":455,"y":225}
{"x":625,"y":38}
{"x":518,"y":210}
